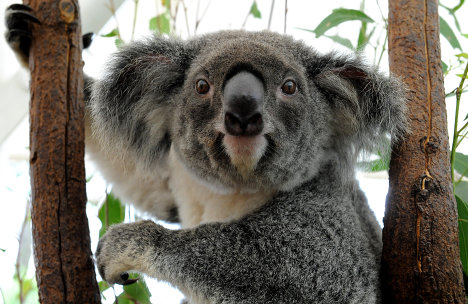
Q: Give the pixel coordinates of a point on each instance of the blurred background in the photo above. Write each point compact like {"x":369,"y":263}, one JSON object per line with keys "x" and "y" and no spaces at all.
{"x":325,"y":25}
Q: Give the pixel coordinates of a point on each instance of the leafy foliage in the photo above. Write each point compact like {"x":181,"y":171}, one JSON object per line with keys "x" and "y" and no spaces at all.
{"x":160,"y":24}
{"x":254,"y":10}
{"x":111,"y":212}
{"x":339,"y":16}
{"x":463,"y":231}
{"x":461,"y":163}
{"x":135,"y":293}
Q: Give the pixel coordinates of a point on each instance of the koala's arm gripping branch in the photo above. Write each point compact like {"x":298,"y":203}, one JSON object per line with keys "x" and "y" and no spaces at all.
{"x":420,"y":259}
{"x":64,"y":266}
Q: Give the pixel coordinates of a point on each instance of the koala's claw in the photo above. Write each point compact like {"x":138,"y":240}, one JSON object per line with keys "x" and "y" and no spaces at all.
{"x":19,"y":19}
{"x":125,"y":278}
{"x":87,"y":39}
{"x":19,"y":6}
{"x":18,"y":14}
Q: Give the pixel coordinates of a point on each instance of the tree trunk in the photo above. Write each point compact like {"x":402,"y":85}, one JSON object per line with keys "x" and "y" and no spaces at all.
{"x":420,"y":259}
{"x":63,"y":258}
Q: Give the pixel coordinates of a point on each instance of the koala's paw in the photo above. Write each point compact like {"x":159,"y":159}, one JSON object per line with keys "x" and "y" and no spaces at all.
{"x":19,"y":20}
{"x":127,"y":247}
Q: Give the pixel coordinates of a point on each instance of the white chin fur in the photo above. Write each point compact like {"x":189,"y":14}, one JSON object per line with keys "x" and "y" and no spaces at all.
{"x":245,"y":151}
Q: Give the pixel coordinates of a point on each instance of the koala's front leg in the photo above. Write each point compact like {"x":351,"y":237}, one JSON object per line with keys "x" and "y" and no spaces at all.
{"x":213,"y":263}
{"x":128,"y":247}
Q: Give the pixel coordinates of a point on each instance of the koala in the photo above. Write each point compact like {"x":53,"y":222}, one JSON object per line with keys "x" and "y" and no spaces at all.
{"x":250,"y":141}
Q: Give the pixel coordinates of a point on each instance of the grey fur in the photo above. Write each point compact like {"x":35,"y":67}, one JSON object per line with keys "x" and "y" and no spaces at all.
{"x":315,"y":240}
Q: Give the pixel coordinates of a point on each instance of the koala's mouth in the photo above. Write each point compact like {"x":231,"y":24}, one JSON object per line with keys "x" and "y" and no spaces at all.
{"x":245,"y":151}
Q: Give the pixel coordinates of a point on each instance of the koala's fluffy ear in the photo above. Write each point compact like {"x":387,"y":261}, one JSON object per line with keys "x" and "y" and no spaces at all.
{"x":365,"y":104}
{"x":133,"y":102}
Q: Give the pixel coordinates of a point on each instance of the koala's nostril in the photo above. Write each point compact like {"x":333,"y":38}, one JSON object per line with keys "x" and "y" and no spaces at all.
{"x":243,"y":126}
{"x":233,"y":124}
{"x":254,"y":125}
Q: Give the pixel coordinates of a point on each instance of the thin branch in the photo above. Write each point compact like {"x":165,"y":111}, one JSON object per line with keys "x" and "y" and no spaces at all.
{"x":18,"y":256}
{"x":456,"y":132}
{"x":271,"y":14}
{"x":186,"y":17}
{"x":134,"y":19}
{"x":461,"y":138}
{"x":174,"y":16}
{"x":463,"y":128}
{"x":285,"y":14}
{"x":246,"y":18}
{"x":199,"y":19}
{"x":113,"y":10}
{"x":381,"y":13}
{"x":158,"y":20}
{"x":461,"y":177}
{"x":384,"y":48}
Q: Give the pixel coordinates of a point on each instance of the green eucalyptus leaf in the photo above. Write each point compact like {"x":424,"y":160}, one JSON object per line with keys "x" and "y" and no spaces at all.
{"x":461,"y":162}
{"x":138,"y":291}
{"x":461,"y":190}
{"x":123,"y":298}
{"x":113,"y":33}
{"x":343,"y":41}
{"x":380,"y":164}
{"x":89,"y":178}
{"x":447,"y":32}
{"x":465,"y":35}
{"x":119,"y":43}
{"x":103,"y":286}
{"x":339,"y":16}
{"x":463,"y":231}
{"x":160,"y":24}
{"x":111,"y":212}
{"x":444,"y":67}
{"x":362,"y":39}
{"x":30,"y":291}
{"x":462,"y":55}
{"x":255,"y":11}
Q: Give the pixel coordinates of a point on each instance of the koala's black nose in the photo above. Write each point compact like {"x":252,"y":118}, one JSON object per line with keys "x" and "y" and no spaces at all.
{"x":243,"y":105}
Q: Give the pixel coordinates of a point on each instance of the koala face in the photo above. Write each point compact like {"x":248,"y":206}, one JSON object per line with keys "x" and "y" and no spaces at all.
{"x":248,"y":118}
{"x":244,"y":111}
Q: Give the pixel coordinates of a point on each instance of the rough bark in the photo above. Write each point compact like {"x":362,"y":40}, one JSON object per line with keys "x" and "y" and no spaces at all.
{"x":420,"y":260}
{"x":63,"y":258}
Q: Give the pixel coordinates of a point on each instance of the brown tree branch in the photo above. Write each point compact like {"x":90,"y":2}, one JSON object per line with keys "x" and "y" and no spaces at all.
{"x":63,"y":258}
{"x":420,"y":259}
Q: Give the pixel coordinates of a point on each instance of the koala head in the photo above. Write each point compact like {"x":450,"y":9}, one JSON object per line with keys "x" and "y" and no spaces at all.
{"x":245,"y":111}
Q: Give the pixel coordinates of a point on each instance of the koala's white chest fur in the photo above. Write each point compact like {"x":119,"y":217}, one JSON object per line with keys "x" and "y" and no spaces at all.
{"x":198,"y":204}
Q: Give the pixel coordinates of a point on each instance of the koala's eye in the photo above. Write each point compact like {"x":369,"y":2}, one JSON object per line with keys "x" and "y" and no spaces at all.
{"x":289,"y":87}
{"x":202,"y":87}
